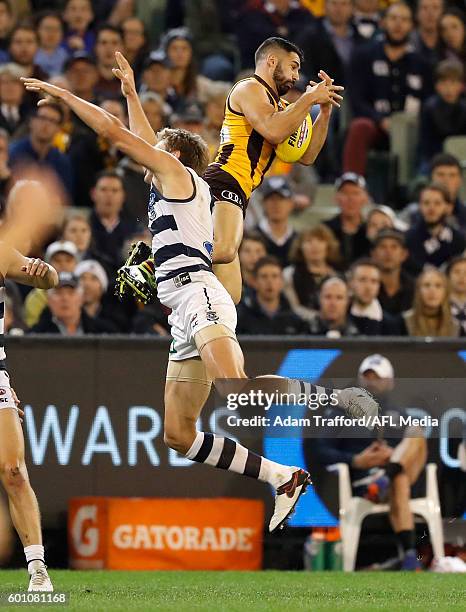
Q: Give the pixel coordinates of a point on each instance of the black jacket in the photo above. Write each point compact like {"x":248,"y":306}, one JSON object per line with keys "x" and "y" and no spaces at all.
{"x":380,"y":87}
{"x":438,"y":121}
{"x":352,"y":246}
{"x":435,"y":250}
{"x":253,"y":320}
{"x":47,"y":325}
{"x":389,"y":325}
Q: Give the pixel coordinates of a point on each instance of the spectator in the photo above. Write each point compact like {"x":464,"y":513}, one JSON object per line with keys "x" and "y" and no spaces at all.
{"x":332,"y":319}
{"x":367,"y":17}
{"x":77,"y":230}
{"x":397,"y":287}
{"x":452,"y":34}
{"x":366,"y":311}
{"x":386,"y":77}
{"x":268,"y":311}
{"x":313,"y":254}
{"x":400,"y":461}
{"x":22,"y":49}
{"x":330,"y":41}
{"x":378,"y":218}
{"x":65,"y":314}
{"x":82,"y":75}
{"x":12,"y":109}
{"x":37,"y":148}
{"x":275,"y":226}
{"x":444,"y":113}
{"x":258,"y":21}
{"x":445,"y":170}
{"x":6,"y":25}
{"x":155,"y":109}
{"x":151,"y":320}
{"x":348,"y":226}
{"x":50,"y":56}
{"x":135,"y":43}
{"x":214,"y":114}
{"x":78,"y":16}
{"x":189,"y":86}
{"x":252,"y":249}
{"x":5,"y":172}
{"x":63,"y":256}
{"x":93,"y":281}
{"x":109,"y":228}
{"x":426,"y":36}
{"x":108,"y":41}
{"x":156,"y":78}
{"x":431,"y":315}
{"x":190,"y":118}
{"x":456,"y":272}
{"x":431,"y":240}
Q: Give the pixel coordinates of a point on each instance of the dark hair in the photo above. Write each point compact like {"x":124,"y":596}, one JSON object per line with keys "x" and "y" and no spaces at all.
{"x":255,"y":236}
{"x":268,"y":260}
{"x":444,"y":159}
{"x":24,"y":25}
{"x":108,"y":26}
{"x":276,"y":42}
{"x":8,"y":6}
{"x":453,"y":11}
{"x":189,"y":82}
{"x":54,"y":106}
{"x":398,"y":3}
{"x":113,"y":174}
{"x":449,"y":69}
{"x":44,"y":14}
{"x":359,"y":263}
{"x":194,"y":152}
{"x":439,"y":188}
{"x":453,"y":262}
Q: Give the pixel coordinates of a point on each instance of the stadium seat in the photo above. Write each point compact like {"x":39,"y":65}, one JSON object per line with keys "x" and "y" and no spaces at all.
{"x":353,"y":510}
{"x":403,"y":144}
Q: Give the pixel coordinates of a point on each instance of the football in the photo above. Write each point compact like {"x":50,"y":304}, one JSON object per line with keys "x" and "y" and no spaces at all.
{"x":294,"y":147}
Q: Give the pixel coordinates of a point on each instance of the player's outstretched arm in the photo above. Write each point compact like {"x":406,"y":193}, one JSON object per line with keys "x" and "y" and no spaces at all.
{"x":275,"y":126}
{"x":138,"y":122}
{"x":173,"y":176}
{"x":26,"y":270}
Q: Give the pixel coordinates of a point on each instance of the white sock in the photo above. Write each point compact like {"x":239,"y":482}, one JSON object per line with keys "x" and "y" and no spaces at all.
{"x":35,"y":556}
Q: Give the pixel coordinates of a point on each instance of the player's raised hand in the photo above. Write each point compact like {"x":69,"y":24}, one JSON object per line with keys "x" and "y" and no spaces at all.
{"x":51,"y":91}
{"x":125,"y":73}
{"x":35,"y":267}
{"x":325,"y":94}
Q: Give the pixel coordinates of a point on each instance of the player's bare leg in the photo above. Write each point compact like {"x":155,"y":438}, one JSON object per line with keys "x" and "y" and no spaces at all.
{"x":228,"y":233}
{"x":24,"y":509}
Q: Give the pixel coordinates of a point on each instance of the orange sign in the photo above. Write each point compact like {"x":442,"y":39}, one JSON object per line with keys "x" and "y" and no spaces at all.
{"x":214,"y":534}
{"x":87,"y":519}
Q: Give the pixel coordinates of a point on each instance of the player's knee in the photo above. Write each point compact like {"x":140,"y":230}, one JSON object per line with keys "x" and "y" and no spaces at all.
{"x":176,"y":439}
{"x":12,"y":476}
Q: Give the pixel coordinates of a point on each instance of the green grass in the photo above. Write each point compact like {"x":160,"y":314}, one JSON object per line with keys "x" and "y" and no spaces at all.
{"x":267,"y":591}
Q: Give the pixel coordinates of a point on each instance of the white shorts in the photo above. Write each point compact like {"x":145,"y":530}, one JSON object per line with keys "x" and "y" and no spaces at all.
{"x":195,"y":305}
{"x":6,"y":396}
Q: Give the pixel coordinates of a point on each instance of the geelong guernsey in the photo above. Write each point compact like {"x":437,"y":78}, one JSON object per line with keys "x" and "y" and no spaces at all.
{"x":182,"y":231}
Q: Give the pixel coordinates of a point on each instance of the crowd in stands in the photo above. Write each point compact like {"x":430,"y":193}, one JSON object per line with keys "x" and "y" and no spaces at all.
{"x":388,"y":266}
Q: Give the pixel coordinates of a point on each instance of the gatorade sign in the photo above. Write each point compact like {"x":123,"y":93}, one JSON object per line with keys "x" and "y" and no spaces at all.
{"x":125,"y":533}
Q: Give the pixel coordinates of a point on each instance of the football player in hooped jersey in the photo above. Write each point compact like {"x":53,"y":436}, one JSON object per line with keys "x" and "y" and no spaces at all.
{"x":256,"y":120}
{"x":203,"y":317}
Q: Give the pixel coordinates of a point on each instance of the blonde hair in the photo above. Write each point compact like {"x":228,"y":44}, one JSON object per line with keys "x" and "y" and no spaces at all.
{"x":442,"y":324}
{"x":321,"y":232}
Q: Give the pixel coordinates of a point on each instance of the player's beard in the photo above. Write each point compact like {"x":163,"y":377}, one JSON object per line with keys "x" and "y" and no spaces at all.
{"x":283,"y":85}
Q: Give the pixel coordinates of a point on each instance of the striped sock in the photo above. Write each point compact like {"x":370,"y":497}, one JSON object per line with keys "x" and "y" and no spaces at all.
{"x":226,"y":454}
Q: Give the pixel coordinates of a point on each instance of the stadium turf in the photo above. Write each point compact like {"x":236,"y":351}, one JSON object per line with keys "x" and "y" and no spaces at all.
{"x":269,"y":591}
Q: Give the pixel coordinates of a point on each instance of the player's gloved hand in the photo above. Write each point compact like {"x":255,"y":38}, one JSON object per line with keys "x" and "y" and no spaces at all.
{"x":136,"y":277}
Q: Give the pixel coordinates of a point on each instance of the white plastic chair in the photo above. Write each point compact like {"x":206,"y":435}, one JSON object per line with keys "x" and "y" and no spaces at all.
{"x":353,"y":511}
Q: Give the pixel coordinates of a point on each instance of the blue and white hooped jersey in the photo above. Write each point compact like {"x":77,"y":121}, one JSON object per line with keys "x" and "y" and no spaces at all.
{"x":182,"y":231}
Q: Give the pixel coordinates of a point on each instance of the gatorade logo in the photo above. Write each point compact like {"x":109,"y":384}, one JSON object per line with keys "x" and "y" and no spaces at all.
{"x":84,"y":531}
